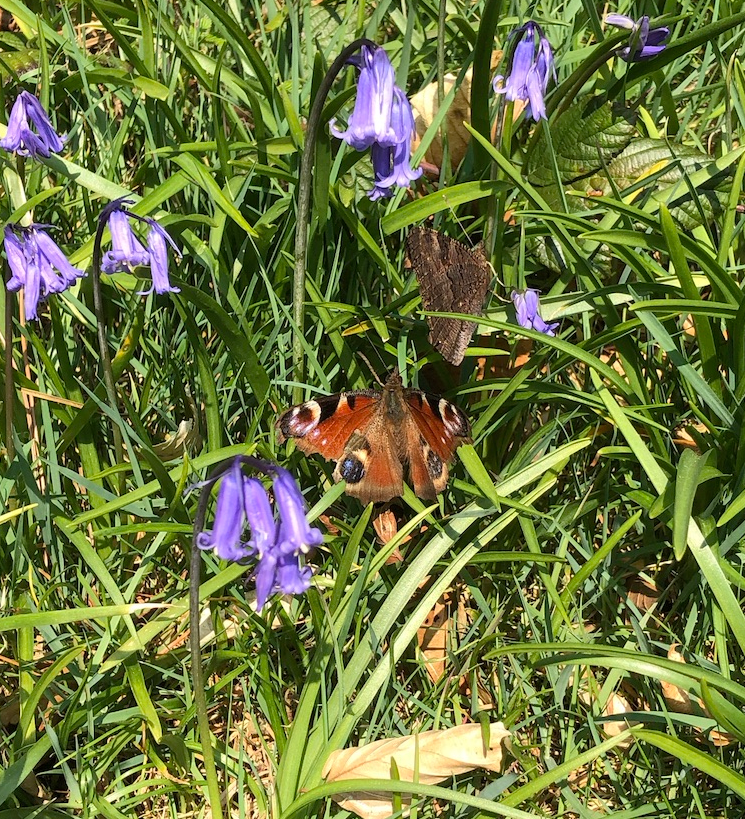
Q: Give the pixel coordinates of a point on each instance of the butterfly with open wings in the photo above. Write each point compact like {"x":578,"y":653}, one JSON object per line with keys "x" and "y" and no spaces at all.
{"x":377,"y":437}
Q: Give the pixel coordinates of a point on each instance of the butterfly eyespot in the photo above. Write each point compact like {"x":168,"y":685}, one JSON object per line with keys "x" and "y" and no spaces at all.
{"x":434,"y":464}
{"x":455,"y":421}
{"x":351,"y":469}
{"x":299,"y":421}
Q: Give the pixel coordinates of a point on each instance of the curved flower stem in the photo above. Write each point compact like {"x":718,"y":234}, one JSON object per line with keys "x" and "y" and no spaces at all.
{"x":200,"y":698}
{"x":103,"y":349}
{"x":305,"y":184}
{"x":9,"y":386}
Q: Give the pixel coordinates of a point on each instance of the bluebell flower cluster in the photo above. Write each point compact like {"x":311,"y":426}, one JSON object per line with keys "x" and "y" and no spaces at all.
{"x":383,"y":121}
{"x":278,"y":537}
{"x":37,"y":265}
{"x":527,"y":307}
{"x":128,"y":252}
{"x":644,"y":43}
{"x":28,"y":113}
{"x":530,"y":68}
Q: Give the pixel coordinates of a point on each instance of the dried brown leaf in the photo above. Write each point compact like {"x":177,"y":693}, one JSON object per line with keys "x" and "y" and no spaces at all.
{"x":432,"y":637}
{"x":425,"y":107}
{"x":676,"y":698}
{"x":435,"y":755}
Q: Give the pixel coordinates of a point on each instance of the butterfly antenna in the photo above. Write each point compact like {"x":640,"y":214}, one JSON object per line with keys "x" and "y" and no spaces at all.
{"x":370,"y":367}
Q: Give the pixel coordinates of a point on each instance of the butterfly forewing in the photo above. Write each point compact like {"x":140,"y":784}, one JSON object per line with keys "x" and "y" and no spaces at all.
{"x":326,"y":424}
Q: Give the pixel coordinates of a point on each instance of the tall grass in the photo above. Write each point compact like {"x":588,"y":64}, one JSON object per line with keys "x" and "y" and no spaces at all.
{"x":596,"y":522}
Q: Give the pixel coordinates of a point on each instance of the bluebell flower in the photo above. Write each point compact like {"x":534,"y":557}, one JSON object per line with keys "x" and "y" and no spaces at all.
{"x":527,"y":312}
{"x":226,"y":535}
{"x":278,"y":538}
{"x":37,"y":265}
{"x":383,"y":121}
{"x":27,"y":111}
{"x":296,"y":534}
{"x":531,"y":65}
{"x":643,"y":43}
{"x":128,"y":252}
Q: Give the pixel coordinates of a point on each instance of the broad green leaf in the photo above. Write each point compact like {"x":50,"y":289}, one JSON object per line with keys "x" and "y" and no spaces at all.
{"x":585,"y":138}
{"x":695,"y":757}
{"x":688,"y":477}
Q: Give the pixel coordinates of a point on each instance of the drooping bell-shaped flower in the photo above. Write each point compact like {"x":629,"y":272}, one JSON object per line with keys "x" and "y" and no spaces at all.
{"x":37,"y":265}
{"x":527,"y":308}
{"x":278,"y":537}
{"x":226,"y":535}
{"x":643,"y":42}
{"x":296,"y":534}
{"x":28,"y":113}
{"x":530,"y":68}
{"x":128,"y":252}
{"x":383,"y":121}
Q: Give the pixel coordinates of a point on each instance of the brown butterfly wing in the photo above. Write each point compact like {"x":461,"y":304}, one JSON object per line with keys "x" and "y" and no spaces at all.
{"x":326,"y":424}
{"x":350,"y":429}
{"x":452,"y":278}
{"x":436,"y":428}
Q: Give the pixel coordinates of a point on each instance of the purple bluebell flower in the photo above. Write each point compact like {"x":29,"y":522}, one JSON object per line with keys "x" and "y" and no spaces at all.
{"x":28,"y":112}
{"x":226,"y":535}
{"x":531,"y":65}
{"x":278,"y":537}
{"x":643,"y":42}
{"x":33,"y":257}
{"x":296,"y":534}
{"x":157,"y":242}
{"x":527,"y":311}
{"x":128,"y":252}
{"x":383,"y":121}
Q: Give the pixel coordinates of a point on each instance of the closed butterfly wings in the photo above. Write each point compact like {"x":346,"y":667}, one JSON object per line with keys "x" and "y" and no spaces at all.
{"x":452,"y":279}
{"x":378,"y":438}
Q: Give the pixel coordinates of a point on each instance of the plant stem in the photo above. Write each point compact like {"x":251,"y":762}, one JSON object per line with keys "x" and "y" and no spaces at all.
{"x":302,"y":226}
{"x":9,"y":385}
{"x":200,"y":698}
{"x":103,"y":349}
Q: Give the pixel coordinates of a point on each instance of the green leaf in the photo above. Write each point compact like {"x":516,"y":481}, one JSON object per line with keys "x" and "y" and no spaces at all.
{"x":237,"y":344}
{"x":669,"y":164}
{"x":151,"y":88}
{"x":688,"y":478}
{"x":445,"y":199}
{"x":585,"y":138}
{"x":728,"y":716}
{"x":689,"y":755}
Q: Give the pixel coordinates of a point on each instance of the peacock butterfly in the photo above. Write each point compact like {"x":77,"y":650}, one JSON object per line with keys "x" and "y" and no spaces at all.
{"x":375,"y":437}
{"x":452,"y":278}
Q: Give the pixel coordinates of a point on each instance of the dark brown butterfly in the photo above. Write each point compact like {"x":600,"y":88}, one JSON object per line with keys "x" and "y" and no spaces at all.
{"x":375,"y":437}
{"x":452,"y":278}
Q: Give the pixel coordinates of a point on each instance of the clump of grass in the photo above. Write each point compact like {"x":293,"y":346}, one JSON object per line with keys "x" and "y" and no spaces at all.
{"x":606,"y":460}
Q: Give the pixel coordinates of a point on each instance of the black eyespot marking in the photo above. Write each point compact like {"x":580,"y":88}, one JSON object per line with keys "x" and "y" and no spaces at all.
{"x":351,"y":401}
{"x":352,"y":469}
{"x":434,"y":464}
{"x":299,"y":421}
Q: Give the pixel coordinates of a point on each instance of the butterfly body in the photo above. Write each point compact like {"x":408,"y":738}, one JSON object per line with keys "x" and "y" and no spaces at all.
{"x":452,"y":278}
{"x":377,"y":437}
